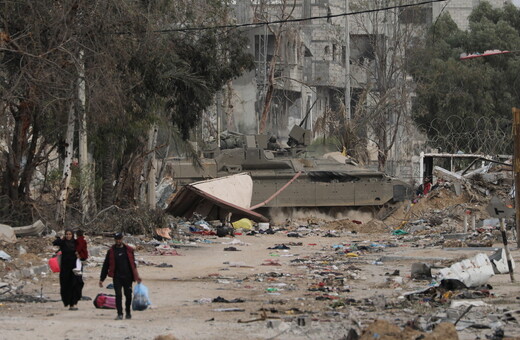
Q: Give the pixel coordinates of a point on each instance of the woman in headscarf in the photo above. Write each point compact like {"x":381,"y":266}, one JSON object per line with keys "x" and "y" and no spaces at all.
{"x":71,"y":285}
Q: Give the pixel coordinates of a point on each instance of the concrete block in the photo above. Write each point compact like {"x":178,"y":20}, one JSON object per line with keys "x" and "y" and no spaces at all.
{"x":38,"y":270}
{"x":97,"y":251}
{"x":26,"y":273}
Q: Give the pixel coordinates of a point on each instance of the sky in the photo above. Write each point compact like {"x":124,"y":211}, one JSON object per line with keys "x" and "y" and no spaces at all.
{"x":516,"y":2}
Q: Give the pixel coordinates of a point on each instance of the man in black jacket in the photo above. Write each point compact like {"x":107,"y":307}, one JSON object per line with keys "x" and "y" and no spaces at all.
{"x":120,"y":265}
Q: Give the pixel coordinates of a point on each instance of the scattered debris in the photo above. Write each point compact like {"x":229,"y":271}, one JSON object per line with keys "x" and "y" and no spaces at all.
{"x":421,"y":271}
{"x":472,"y":272}
{"x":7,"y":234}
{"x":4,"y":256}
{"x":349,"y":272}
{"x":219,"y":299}
{"x":229,"y":310}
{"x":35,"y":229}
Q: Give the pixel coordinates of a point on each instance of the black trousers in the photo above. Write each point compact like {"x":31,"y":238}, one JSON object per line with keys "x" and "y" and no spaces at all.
{"x":126,"y":286}
{"x":71,"y":286}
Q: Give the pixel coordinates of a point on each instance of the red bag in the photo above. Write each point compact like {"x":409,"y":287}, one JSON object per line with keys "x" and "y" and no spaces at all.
{"x":105,"y":301}
{"x":54,"y":263}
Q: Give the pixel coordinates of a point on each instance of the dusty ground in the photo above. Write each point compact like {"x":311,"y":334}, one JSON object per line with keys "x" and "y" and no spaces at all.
{"x":206,"y":271}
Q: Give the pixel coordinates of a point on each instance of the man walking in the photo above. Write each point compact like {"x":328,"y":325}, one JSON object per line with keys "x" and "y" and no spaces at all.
{"x":120,"y":265}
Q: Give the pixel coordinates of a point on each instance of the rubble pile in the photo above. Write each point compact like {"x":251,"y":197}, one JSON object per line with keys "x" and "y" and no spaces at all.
{"x":423,"y":272}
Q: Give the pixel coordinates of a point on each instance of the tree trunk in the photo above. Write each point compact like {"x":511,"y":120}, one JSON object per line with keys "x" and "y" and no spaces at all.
{"x":87,"y":199}
{"x":382,"y":152}
{"x":24,"y":190}
{"x":125,"y":192}
{"x":107,"y":189}
{"x":270,"y":88}
{"x":148,"y":186}
{"x":13,"y":157}
{"x":382,"y":157}
{"x":151,"y":182}
{"x":67,"y":172}
{"x":17,"y":178}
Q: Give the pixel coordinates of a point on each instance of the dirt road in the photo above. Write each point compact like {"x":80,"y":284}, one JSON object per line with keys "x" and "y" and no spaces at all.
{"x":291,"y":293}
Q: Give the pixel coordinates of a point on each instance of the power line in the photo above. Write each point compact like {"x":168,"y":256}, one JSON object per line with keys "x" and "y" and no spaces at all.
{"x":264,"y":23}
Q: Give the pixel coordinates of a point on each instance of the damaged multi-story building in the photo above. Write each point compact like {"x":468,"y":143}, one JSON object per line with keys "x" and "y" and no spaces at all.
{"x":305,"y":68}
{"x":308,"y":57}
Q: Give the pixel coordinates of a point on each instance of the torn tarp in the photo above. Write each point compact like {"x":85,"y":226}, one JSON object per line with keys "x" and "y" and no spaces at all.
{"x":203,"y":198}
{"x":473,"y":272}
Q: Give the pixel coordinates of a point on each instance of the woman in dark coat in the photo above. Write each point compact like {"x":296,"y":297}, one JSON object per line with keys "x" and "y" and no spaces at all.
{"x":71,"y":285}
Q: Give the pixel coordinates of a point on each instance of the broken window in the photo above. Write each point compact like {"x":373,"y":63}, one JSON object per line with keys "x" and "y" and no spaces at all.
{"x":264,"y":47}
{"x":362,"y":47}
{"x":421,"y":15}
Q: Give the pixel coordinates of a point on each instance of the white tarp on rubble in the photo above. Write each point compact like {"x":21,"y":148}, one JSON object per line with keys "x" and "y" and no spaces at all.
{"x":473,"y":272}
{"x":7,"y":234}
{"x":235,"y":189}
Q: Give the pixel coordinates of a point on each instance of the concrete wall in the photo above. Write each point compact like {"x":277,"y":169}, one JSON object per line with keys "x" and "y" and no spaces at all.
{"x":243,"y":100}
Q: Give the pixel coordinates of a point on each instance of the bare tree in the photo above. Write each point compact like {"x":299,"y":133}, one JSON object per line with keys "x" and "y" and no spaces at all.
{"x":36,"y":68}
{"x":379,"y":51}
{"x":264,"y":11}
{"x":131,"y":76}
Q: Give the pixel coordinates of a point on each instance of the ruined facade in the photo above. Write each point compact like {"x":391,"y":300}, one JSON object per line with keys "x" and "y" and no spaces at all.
{"x":304,"y":63}
{"x":309,"y":64}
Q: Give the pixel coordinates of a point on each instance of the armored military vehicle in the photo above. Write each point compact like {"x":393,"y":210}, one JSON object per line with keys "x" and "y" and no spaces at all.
{"x":327,"y":181}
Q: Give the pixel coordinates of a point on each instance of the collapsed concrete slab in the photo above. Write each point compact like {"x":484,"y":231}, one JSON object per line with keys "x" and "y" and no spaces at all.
{"x":216,"y":198}
{"x":448,"y":175}
{"x":35,"y":229}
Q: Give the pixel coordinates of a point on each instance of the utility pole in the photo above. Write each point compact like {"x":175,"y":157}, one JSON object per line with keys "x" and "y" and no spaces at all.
{"x":347,"y":63}
{"x":219,"y":115}
{"x":516,"y":169}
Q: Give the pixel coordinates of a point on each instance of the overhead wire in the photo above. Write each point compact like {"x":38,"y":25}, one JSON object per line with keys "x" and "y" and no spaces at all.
{"x":283,"y":21}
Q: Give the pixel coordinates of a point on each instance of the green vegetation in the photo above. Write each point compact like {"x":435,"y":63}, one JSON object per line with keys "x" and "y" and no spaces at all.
{"x":465,"y":105}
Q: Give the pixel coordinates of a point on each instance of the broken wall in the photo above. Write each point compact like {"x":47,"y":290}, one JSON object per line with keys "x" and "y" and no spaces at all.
{"x":243,"y":100}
